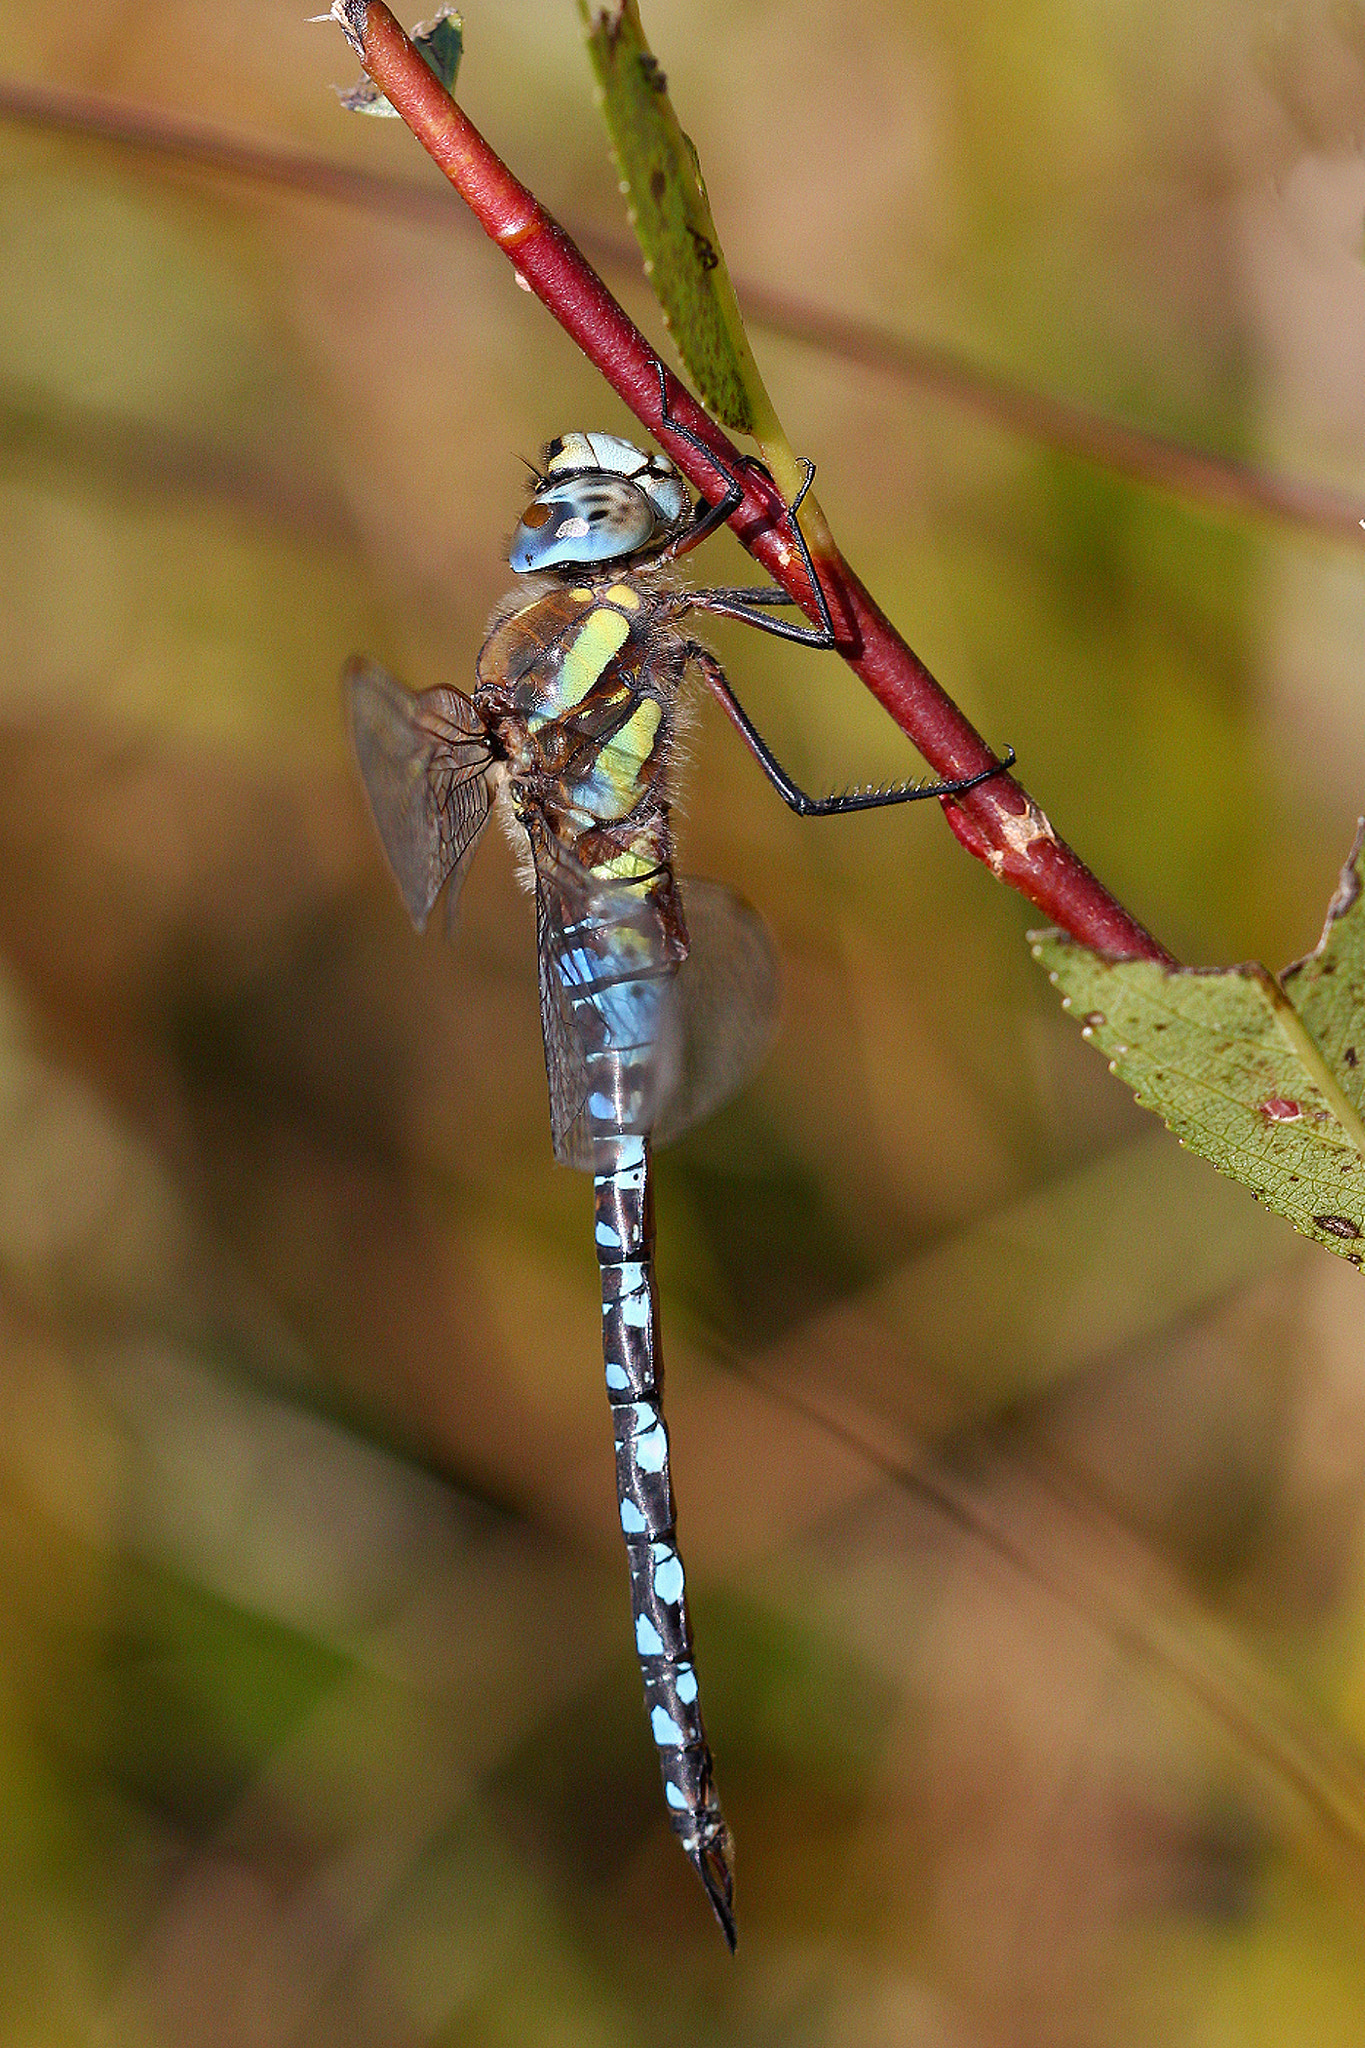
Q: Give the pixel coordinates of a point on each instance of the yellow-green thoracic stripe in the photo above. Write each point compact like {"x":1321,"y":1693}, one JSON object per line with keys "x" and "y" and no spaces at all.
{"x":601,"y":636}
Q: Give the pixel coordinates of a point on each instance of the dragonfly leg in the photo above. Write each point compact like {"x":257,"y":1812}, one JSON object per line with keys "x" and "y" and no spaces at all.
{"x":707,"y":516}
{"x":741,"y":604}
{"x":821,"y":806}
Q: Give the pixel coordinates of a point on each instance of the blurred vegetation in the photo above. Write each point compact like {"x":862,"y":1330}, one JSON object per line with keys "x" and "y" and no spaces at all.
{"x":1037,"y":1718}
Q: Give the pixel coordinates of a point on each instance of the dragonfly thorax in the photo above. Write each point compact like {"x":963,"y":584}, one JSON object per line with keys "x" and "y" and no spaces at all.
{"x":599,"y":500}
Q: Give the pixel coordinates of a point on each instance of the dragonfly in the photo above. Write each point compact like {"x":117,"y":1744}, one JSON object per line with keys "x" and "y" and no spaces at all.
{"x":658,"y":995}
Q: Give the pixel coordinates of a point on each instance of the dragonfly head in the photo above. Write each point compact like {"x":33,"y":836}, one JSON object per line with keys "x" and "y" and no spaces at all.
{"x":599,"y":500}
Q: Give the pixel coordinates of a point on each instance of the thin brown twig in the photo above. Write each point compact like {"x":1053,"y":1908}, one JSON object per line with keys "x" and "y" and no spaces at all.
{"x":1218,"y":481}
{"x":129,"y":457}
{"x":1076,"y":1545}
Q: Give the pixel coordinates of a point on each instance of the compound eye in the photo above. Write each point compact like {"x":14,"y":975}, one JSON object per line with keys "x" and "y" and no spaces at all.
{"x":594,"y":518}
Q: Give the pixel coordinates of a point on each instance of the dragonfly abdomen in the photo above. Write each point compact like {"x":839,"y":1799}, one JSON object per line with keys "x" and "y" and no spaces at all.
{"x":623,"y":1215}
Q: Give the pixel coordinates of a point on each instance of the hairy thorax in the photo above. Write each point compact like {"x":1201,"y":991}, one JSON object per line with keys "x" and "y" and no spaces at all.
{"x":579,"y":682}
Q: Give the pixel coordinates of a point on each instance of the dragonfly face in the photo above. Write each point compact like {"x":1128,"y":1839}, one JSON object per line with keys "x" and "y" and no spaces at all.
{"x":600,"y":500}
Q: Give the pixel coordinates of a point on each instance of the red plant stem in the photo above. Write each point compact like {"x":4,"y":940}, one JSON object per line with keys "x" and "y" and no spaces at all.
{"x":998,"y":822}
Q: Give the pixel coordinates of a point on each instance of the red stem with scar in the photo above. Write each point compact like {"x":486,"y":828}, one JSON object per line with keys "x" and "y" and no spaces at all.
{"x":997,"y":821}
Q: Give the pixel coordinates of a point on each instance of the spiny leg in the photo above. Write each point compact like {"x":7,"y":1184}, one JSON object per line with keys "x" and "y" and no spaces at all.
{"x":821,"y":806}
{"x":744,"y":603}
{"x":622,"y":1201}
{"x":708,"y":518}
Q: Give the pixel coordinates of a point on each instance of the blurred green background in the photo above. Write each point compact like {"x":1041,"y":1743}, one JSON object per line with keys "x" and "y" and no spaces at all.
{"x":1036,"y":1718}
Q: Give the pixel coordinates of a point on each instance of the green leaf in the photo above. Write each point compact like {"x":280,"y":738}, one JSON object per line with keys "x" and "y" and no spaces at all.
{"x":1264,"y":1076}
{"x":671,"y":216}
{"x":440,"y":44}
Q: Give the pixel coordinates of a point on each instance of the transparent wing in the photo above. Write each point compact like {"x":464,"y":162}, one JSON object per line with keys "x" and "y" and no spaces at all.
{"x":565,"y":1067}
{"x":423,"y":761}
{"x":608,"y":962}
{"x":693,"y":1029}
{"x":728,"y":995}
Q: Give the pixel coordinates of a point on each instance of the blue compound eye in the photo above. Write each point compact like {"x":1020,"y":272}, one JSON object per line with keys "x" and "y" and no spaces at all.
{"x":596,"y":518}
{"x":602,"y":500}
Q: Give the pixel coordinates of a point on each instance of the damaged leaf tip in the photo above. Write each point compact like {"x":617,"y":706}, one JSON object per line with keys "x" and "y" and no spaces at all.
{"x":349,"y":16}
{"x":1262,"y":1074}
{"x":438,"y":42}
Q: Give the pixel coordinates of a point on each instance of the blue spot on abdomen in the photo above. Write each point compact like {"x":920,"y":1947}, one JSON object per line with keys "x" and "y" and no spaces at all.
{"x":668,"y":1574}
{"x":667,"y":1733}
{"x":651,"y":1446}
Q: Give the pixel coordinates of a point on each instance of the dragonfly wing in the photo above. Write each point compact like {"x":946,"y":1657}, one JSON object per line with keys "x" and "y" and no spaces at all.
{"x":424,"y":761}
{"x":728,"y":994}
{"x":608,"y":962}
{"x":565,"y":1066}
